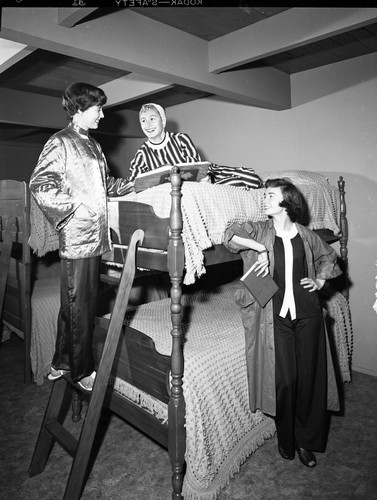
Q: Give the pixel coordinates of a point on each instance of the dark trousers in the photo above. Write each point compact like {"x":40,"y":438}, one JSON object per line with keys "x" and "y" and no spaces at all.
{"x":78,"y":295}
{"x":301,"y":383}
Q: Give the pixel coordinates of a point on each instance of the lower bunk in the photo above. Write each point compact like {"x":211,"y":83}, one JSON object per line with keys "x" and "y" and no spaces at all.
{"x":221,"y":431}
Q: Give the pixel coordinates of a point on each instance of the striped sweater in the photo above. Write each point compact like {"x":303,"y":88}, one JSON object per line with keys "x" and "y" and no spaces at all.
{"x":175,"y":148}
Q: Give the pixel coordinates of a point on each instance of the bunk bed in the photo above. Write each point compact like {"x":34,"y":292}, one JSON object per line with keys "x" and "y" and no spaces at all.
{"x":32,"y":297}
{"x":179,"y":373}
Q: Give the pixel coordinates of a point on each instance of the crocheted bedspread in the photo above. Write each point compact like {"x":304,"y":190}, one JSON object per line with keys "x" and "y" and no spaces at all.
{"x":45,"y":305}
{"x":221,"y":430}
{"x":339,"y":326}
{"x":43,"y":236}
{"x":207,"y":209}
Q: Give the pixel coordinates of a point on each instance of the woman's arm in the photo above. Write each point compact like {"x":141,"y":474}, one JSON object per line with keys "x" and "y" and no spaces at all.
{"x":261,"y":265}
{"x":137,"y":165}
{"x":325,"y":263}
{"x":248,"y":243}
{"x":188,"y":147}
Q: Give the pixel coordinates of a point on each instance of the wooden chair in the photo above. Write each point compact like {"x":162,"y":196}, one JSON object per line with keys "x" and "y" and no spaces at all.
{"x":15,"y":203}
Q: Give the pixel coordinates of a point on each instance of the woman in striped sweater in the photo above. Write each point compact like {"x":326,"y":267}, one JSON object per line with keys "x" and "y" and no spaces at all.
{"x":162,"y":147}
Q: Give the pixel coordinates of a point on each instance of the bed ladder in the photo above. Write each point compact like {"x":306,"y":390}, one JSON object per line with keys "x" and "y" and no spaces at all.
{"x":52,"y":429}
{"x":5,"y":255}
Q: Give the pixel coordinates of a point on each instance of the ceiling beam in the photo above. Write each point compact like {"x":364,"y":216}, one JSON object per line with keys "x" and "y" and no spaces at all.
{"x":135,"y":43}
{"x":17,"y":108}
{"x":285,"y":31}
{"x":129,"y":87}
{"x":68,"y":17}
{"x":11,"y":53}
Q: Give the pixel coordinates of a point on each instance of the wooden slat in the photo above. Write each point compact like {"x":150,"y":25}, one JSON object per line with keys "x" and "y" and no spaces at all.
{"x":136,"y":360}
{"x":366,"y":37}
{"x":62,"y":436}
{"x":132,"y":217}
{"x":138,"y":417}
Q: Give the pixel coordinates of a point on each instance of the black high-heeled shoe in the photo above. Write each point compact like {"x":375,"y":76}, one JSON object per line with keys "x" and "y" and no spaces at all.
{"x":307,"y":457}
{"x":285,"y":455}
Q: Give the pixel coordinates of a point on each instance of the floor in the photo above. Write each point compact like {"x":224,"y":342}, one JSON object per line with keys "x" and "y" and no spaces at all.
{"x":129,"y":466}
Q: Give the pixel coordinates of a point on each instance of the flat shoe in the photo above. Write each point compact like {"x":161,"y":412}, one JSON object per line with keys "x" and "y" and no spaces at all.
{"x":284,"y":454}
{"x":307,"y":457}
{"x":56,"y":374}
{"x":89,"y":389}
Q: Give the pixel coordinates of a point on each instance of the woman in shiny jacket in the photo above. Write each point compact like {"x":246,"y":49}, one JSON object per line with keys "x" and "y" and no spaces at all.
{"x":71,"y":183}
{"x":288,"y":366}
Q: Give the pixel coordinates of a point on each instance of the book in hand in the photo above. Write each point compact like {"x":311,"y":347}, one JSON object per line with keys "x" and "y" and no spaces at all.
{"x":189,"y":172}
{"x":263,"y":288}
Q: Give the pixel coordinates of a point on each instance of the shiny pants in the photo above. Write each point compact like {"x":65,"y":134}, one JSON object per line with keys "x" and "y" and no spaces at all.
{"x":301,"y":383}
{"x":78,"y":301}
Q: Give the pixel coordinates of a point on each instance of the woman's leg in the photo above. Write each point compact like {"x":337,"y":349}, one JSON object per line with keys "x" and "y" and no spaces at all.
{"x":79,"y":290}
{"x":311,"y":409}
{"x":285,"y":380}
{"x":60,"y":360}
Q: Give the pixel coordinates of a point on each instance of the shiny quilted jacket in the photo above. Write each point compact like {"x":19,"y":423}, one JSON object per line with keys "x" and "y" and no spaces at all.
{"x":72,"y":170}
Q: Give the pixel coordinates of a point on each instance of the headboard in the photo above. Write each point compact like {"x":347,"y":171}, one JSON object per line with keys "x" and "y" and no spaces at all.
{"x":15,"y":202}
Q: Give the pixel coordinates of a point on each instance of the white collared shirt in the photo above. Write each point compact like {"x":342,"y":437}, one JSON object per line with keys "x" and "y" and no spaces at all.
{"x":289,"y":304}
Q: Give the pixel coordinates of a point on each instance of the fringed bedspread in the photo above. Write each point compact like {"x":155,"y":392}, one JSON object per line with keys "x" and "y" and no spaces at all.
{"x":207,"y":209}
{"x":43,"y":236}
{"x":221,"y":430}
{"x":45,"y":305}
{"x":341,"y":333}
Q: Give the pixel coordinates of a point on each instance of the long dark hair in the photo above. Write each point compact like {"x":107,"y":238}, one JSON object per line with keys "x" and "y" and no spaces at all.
{"x":81,"y":96}
{"x":293,"y":200}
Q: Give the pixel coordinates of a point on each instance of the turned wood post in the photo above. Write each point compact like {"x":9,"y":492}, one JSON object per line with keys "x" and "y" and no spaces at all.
{"x":344,"y":234}
{"x":176,"y":407}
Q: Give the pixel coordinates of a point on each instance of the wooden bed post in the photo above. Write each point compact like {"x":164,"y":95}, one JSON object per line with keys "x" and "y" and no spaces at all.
{"x":176,"y":407}
{"x":344,"y":233}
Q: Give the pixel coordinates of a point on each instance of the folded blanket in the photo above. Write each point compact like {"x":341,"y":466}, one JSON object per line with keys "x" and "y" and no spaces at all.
{"x":207,"y":209}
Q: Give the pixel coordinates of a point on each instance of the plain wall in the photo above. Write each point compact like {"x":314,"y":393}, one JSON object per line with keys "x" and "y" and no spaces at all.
{"x":19,"y":157}
{"x":331,"y":129}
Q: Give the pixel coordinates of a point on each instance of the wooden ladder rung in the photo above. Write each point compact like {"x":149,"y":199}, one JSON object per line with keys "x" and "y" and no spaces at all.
{"x":62,"y":436}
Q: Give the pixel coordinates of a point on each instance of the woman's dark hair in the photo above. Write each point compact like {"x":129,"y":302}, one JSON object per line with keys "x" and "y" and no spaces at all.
{"x":81,"y":96}
{"x":293,"y":200}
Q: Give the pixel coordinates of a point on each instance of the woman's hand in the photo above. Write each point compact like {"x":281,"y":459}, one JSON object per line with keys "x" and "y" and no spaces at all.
{"x":262,"y":264}
{"x":207,"y":178}
{"x":312,"y":284}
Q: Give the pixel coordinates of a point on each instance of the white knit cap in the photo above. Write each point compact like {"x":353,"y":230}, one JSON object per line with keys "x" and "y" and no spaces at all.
{"x":159,"y":109}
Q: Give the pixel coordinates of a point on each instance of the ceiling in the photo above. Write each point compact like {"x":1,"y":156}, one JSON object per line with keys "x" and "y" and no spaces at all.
{"x":175,"y":55}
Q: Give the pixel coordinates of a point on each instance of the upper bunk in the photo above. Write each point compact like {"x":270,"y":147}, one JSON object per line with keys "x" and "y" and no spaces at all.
{"x":197,"y":214}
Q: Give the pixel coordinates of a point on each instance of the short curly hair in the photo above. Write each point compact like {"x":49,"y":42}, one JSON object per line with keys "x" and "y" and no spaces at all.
{"x":81,"y":96}
{"x":293,"y":200}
